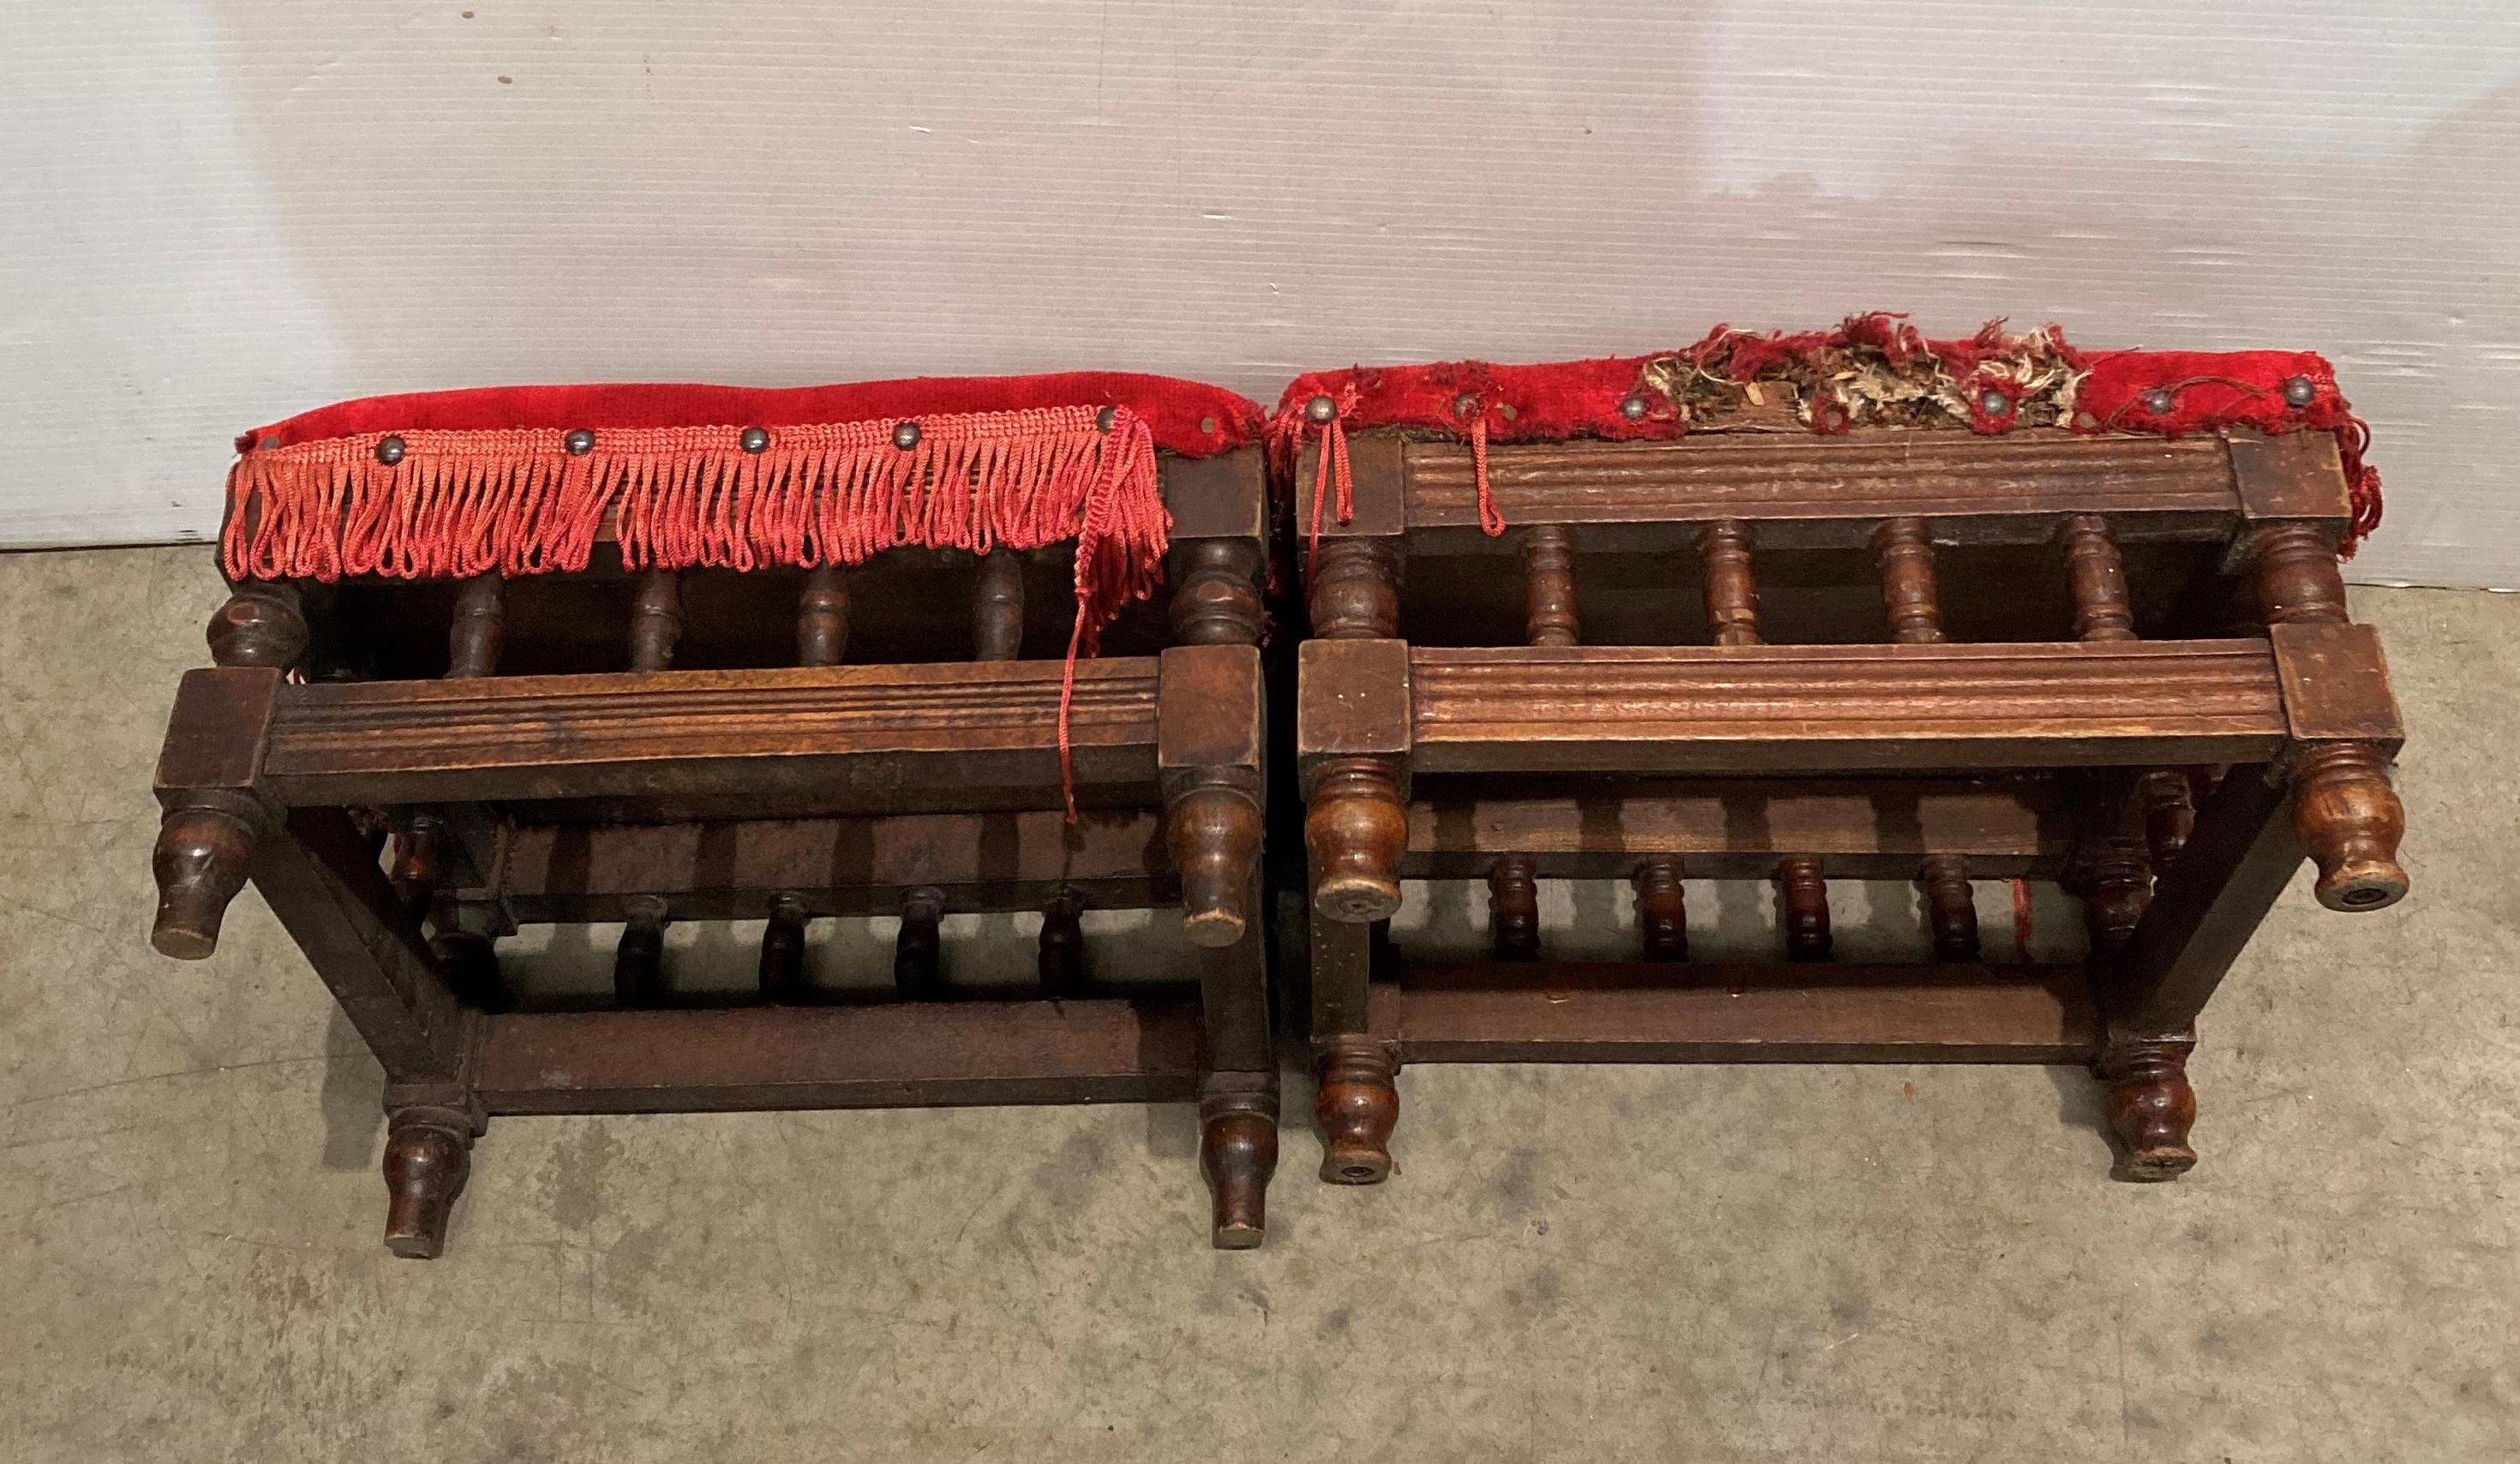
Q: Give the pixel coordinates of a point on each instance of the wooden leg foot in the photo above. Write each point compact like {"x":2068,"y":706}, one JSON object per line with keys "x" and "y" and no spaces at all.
{"x":1238,"y":1151}
{"x":1356,"y":1108}
{"x":429,"y":1152}
{"x":2150,"y":1106}
{"x":2349,"y":820}
{"x":200,"y":859}
{"x":1355,"y":827}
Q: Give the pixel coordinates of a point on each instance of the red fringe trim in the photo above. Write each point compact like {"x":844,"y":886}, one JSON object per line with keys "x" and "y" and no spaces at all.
{"x":516,"y":502}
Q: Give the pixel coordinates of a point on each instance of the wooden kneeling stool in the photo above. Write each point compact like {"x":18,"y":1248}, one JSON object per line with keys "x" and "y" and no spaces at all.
{"x":645,"y":656}
{"x":1851,"y":606}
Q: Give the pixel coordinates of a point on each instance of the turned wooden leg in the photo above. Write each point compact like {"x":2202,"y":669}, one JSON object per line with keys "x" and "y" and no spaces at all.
{"x":998,"y":607}
{"x":2116,"y":886}
{"x":916,"y":952}
{"x":783,"y":951}
{"x":1061,"y":960}
{"x":1238,"y":1151}
{"x":656,"y":620}
{"x":1355,"y":590}
{"x":1910,"y":598}
{"x":2096,"y":575}
{"x":2349,"y":820}
{"x":414,"y":860}
{"x":202,"y":852}
{"x":2168,"y":813}
{"x":638,"y":962}
{"x":1355,"y":828}
{"x":823,"y":618}
{"x":1731,"y":583}
{"x":429,"y":1152}
{"x":1805,"y":908}
{"x":1212,"y":826}
{"x":262,"y":624}
{"x":2150,"y":1105}
{"x":1950,"y":906}
{"x":1356,"y":1108}
{"x":1549,"y":585}
{"x":480,"y":631}
{"x":1662,"y":908}
{"x":1216,"y":592}
{"x":1513,"y":908}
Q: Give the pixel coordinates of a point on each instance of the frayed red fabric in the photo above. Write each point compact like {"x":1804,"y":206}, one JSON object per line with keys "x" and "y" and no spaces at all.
{"x":1990,"y":379}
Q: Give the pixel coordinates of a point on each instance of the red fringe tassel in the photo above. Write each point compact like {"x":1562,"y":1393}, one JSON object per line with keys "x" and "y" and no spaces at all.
{"x":516,"y":502}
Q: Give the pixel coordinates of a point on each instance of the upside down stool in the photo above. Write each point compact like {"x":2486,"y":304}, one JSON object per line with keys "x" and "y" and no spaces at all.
{"x":651,"y":654}
{"x":1845,"y":606}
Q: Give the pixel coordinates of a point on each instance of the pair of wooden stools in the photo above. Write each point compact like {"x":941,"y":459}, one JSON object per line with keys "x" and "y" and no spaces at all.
{"x":646,"y":655}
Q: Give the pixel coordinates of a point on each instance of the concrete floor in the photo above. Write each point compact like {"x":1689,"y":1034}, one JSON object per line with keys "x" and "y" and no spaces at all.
{"x":1879,"y":1264}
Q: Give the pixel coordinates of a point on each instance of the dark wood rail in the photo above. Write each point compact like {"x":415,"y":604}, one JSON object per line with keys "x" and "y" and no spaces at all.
{"x":874,"y":1057}
{"x":886,"y":735}
{"x":1842,"y":708}
{"x":1654,"y":1012}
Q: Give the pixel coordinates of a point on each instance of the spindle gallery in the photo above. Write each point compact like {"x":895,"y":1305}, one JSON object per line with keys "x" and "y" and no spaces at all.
{"x":658,"y":654}
{"x":1783,"y":611}
{"x":1848,"y":605}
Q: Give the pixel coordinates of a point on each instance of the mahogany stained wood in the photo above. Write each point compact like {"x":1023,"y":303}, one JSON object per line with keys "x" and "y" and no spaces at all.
{"x":885,"y":735}
{"x":1095,"y":1050}
{"x":1563,"y":1012}
{"x":1806,"y":491}
{"x":1842,"y":709}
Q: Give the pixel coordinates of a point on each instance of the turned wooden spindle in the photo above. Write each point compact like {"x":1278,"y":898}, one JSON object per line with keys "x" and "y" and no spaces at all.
{"x":1950,"y":906}
{"x":2294,"y":573}
{"x":998,"y":607}
{"x":1212,"y":827}
{"x":1513,"y":908}
{"x":480,"y":631}
{"x":783,"y":950}
{"x":1357,"y":1106}
{"x":1805,"y":907}
{"x":417,"y":846}
{"x":2151,"y":1108}
{"x":1355,"y":827}
{"x":1062,"y":958}
{"x":916,"y":971}
{"x":2349,"y":820}
{"x":1237,"y":1152}
{"x":656,"y":620}
{"x":1731,"y":584}
{"x":2115,"y":881}
{"x":263,"y":623}
{"x":1549,"y":585}
{"x":1216,"y":592}
{"x":2096,"y":577}
{"x":2168,"y":813}
{"x":1909,"y":596}
{"x":429,"y":1152}
{"x":638,"y":962}
{"x":1662,"y":908}
{"x":467,"y":956}
{"x":204,"y":847}
{"x":1355,"y":590}
{"x":823,"y":618}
